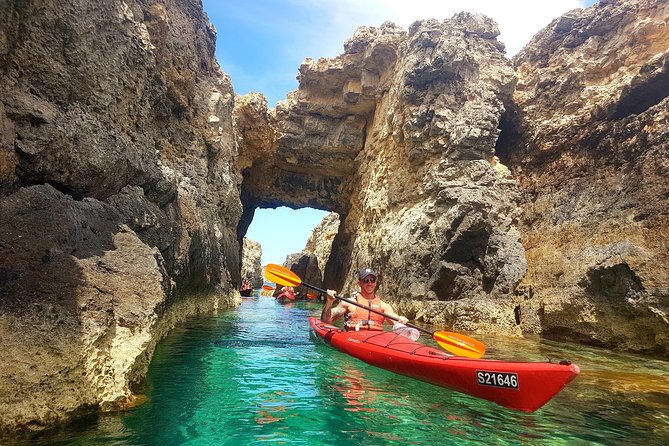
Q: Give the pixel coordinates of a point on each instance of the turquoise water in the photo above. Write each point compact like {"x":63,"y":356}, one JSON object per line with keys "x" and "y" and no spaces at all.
{"x":252,"y":375}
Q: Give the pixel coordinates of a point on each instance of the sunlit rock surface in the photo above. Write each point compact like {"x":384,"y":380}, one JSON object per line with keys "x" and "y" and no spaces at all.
{"x":400,"y":135}
{"x":251,"y":262}
{"x":309,"y":264}
{"x":397,"y":135}
{"x":119,"y":197}
{"x":588,"y":139}
{"x":319,"y":243}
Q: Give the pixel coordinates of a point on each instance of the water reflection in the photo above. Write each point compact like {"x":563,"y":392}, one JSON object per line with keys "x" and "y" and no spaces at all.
{"x":358,"y":392}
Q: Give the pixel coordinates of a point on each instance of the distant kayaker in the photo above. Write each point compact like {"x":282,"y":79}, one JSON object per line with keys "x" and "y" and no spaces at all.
{"x":357,"y":318}
{"x":287,"y":292}
{"x":246,"y":289}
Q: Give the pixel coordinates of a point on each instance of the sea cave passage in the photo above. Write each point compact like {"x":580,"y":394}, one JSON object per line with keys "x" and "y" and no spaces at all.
{"x":299,"y":239}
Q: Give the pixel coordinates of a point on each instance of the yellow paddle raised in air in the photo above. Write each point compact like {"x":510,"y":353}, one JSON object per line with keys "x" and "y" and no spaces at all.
{"x":455,"y":343}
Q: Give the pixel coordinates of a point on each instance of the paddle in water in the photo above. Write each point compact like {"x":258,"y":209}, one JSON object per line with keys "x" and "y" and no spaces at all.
{"x":455,"y":343}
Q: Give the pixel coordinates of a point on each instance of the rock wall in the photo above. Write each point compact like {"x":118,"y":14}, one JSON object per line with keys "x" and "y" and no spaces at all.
{"x":319,"y":243}
{"x":119,"y":196}
{"x":251,"y":262}
{"x":587,"y":137}
{"x":397,"y":136}
{"x":429,"y":211}
{"x":409,"y":137}
{"x":309,"y":264}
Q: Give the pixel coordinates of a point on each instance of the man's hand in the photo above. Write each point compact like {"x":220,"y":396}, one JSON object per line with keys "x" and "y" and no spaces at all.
{"x":331,"y":297}
{"x":326,"y":315}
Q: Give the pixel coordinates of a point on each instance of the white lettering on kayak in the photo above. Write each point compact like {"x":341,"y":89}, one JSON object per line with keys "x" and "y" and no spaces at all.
{"x":497,"y":379}
{"x":354,"y":340}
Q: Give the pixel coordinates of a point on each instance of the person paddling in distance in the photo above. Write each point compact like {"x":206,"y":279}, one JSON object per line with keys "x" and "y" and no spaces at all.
{"x":357,"y":318}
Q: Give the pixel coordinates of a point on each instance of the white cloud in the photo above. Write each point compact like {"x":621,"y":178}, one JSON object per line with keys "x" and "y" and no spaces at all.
{"x":286,"y":32}
{"x":518,"y":20}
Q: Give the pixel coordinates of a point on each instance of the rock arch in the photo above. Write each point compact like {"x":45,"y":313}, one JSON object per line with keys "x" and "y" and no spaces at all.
{"x":397,"y":136}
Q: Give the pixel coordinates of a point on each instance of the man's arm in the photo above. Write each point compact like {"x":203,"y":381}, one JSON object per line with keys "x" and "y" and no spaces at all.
{"x":330,"y":314}
{"x":388,"y":309}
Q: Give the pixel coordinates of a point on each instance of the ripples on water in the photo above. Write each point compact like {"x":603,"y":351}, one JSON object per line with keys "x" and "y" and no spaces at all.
{"x":252,"y":375}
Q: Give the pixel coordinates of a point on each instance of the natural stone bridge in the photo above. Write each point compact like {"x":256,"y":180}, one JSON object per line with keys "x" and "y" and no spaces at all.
{"x":397,"y":136}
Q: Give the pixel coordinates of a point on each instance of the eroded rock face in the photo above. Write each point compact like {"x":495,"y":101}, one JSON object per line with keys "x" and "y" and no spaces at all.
{"x":397,"y":136}
{"x":79,"y":306}
{"x":251,"y":262}
{"x":431,"y":214}
{"x":588,"y":140}
{"x":119,"y":196}
{"x":320,"y":241}
{"x":309,"y":264}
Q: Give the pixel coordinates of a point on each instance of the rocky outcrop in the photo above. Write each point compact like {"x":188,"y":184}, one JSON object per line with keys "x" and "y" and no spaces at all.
{"x":119,"y":197}
{"x":397,"y":136}
{"x":319,"y":243}
{"x":305,"y":265}
{"x":429,"y":211}
{"x":309,"y":264}
{"x":407,"y":136}
{"x":587,"y":137}
{"x":251,"y":262}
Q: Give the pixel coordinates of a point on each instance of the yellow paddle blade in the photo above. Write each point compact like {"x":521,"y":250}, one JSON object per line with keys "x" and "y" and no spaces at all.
{"x":280,"y":275}
{"x":459,"y":344}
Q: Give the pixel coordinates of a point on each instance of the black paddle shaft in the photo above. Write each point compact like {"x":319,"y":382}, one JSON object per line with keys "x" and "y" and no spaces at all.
{"x":367,"y":308}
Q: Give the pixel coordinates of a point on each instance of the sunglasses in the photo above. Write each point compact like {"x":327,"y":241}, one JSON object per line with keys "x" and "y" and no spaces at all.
{"x":369,"y":280}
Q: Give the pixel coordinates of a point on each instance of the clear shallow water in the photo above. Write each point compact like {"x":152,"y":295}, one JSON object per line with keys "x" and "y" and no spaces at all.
{"x":252,"y":375}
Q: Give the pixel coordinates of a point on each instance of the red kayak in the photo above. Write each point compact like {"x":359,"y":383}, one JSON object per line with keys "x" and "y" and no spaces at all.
{"x":524,"y":386}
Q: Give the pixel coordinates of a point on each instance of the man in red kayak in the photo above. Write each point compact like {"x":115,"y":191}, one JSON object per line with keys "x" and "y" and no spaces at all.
{"x":359,"y":318}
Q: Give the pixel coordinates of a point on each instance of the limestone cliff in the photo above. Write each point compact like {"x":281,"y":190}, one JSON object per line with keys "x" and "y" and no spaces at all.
{"x":251,"y":262}
{"x":587,"y":136}
{"x":397,"y":136}
{"x":319,"y":243}
{"x":402,"y":136}
{"x":309,"y":264}
{"x":119,"y":196}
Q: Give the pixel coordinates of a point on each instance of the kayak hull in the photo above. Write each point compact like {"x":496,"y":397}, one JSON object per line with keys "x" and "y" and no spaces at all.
{"x":524,"y":386}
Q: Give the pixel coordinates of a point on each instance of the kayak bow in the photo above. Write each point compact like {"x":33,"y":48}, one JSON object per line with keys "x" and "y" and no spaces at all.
{"x":524,"y":386}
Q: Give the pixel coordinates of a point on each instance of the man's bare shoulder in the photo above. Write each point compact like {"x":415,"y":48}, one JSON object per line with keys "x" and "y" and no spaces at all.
{"x":348,"y":306}
{"x":385,"y":305}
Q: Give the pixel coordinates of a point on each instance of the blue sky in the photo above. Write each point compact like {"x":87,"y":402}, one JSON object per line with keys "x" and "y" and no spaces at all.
{"x":282,"y":231}
{"x":261,"y":44}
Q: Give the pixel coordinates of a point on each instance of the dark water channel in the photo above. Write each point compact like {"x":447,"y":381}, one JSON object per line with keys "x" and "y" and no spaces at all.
{"x":252,"y":375}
